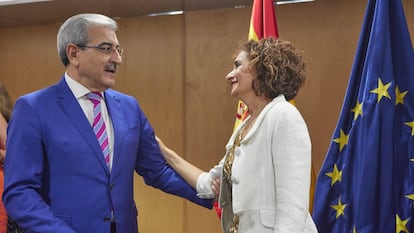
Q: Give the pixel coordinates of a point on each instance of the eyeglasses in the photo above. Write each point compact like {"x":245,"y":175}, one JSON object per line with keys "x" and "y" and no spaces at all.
{"x":107,"y":49}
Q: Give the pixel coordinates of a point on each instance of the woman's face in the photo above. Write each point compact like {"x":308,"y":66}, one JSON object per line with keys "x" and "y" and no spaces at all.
{"x":241,"y":77}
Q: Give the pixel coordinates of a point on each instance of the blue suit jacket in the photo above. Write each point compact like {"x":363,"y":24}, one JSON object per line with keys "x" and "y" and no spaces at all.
{"x":56,"y":179}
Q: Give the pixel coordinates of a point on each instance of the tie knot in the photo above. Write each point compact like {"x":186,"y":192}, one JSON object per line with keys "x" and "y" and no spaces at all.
{"x":95,"y":97}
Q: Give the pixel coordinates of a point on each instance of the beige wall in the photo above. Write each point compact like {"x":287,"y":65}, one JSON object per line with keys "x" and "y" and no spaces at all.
{"x":175,"y":67}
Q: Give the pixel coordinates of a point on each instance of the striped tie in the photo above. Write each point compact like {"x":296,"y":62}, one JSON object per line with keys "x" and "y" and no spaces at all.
{"x":99,"y":125}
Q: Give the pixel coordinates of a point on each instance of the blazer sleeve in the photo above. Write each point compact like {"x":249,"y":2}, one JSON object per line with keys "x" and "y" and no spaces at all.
{"x":291,"y":151}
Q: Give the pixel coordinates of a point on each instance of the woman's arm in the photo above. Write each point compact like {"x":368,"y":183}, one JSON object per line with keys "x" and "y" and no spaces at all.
{"x":206,"y":183}
{"x":188,"y":171}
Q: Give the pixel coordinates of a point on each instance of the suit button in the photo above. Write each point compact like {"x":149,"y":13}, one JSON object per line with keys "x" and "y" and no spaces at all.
{"x":107,"y":219}
{"x":111,"y":186}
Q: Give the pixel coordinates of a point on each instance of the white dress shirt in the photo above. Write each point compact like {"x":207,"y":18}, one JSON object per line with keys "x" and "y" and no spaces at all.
{"x":80,"y":91}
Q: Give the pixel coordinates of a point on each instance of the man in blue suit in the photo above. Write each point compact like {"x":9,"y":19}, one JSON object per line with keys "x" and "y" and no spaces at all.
{"x":57,"y":179}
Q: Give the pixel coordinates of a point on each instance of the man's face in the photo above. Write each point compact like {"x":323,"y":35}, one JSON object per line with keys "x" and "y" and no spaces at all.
{"x":96,"y":67}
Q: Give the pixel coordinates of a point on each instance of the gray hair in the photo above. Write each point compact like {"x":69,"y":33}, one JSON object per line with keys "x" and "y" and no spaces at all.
{"x":75,"y":30}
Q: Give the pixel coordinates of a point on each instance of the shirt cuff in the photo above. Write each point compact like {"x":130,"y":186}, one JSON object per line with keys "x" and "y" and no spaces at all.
{"x":203,"y":186}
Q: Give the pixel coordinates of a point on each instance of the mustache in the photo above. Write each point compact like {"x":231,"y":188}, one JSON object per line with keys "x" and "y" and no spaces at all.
{"x":111,"y":67}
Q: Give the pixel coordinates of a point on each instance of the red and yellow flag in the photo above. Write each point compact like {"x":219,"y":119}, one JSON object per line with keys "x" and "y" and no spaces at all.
{"x":263,"y":20}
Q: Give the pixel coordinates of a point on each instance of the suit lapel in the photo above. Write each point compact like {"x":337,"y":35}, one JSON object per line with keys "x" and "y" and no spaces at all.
{"x":113,"y":104}
{"x":72,"y":109}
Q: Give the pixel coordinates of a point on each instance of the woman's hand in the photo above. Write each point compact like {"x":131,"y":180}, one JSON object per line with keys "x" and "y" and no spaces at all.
{"x":166,"y":152}
{"x":188,"y":171}
{"x":215,"y":185}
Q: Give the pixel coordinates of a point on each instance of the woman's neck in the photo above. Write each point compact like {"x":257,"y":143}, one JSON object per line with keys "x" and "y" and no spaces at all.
{"x":256,"y":106}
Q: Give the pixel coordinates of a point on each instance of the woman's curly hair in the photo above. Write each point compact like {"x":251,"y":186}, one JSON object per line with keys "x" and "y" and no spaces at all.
{"x":278,"y":66}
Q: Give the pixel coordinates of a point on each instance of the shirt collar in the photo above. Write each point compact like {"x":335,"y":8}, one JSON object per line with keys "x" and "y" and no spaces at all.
{"x":77,"y":89}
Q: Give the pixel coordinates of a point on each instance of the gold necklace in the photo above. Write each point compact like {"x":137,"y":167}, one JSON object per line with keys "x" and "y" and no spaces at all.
{"x":239,"y":137}
{"x":228,"y":162}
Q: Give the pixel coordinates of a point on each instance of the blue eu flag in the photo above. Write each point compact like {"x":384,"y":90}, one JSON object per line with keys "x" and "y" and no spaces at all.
{"x":366,"y":184}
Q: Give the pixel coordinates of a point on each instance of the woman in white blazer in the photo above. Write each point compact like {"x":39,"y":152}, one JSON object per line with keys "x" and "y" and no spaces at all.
{"x":263,"y":181}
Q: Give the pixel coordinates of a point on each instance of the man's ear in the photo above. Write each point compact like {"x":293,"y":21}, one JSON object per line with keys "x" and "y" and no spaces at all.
{"x":72,"y":52}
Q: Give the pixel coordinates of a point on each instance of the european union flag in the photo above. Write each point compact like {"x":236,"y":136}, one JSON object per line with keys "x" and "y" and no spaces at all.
{"x":366,"y":184}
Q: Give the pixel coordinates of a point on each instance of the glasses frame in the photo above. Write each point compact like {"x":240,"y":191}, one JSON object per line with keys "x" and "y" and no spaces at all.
{"x":104,"y":48}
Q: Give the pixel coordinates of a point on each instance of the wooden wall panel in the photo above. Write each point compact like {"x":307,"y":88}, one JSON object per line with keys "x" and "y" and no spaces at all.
{"x":152,"y":71}
{"x":29,"y":59}
{"x":175,"y":66}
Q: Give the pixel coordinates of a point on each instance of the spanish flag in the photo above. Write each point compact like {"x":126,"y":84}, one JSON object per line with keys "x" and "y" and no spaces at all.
{"x":263,"y":20}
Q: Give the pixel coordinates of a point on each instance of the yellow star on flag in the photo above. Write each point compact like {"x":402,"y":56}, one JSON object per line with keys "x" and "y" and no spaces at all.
{"x":357,"y":110}
{"x":411,"y":124}
{"x":410,"y":196}
{"x":399,"y":96}
{"x":381,"y":90}
{"x":340,"y":208}
{"x":342,"y":140}
{"x":400,"y":225}
{"x":336,"y":175}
